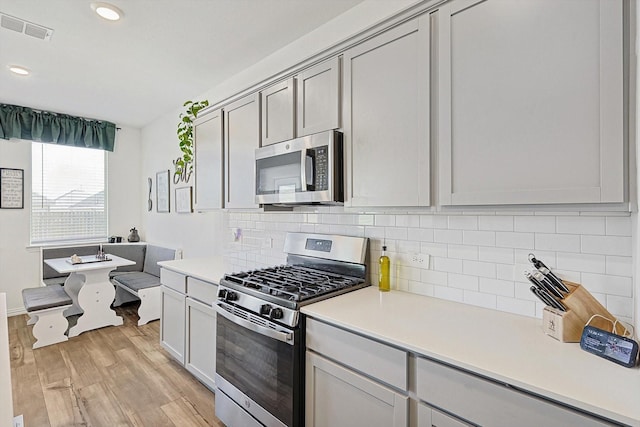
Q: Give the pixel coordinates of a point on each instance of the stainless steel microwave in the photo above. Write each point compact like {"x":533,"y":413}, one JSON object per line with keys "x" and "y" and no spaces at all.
{"x":306,"y":170}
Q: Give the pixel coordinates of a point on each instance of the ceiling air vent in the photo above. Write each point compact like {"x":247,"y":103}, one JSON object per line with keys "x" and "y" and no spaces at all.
{"x":25,"y":27}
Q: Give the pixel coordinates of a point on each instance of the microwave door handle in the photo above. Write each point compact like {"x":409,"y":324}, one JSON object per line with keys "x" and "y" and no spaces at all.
{"x":303,"y":169}
{"x":285,"y":337}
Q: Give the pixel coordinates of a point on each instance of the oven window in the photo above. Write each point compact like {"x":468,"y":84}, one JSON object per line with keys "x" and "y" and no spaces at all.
{"x":263,"y":368}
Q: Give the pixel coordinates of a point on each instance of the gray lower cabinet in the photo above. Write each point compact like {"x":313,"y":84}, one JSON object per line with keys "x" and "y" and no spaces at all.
{"x":386,"y":118}
{"x":528,"y":111}
{"x":487,"y":403}
{"x":173,"y":290}
{"x":353,"y":381}
{"x":429,"y":417}
{"x":200,"y":324}
{"x":188,"y":323}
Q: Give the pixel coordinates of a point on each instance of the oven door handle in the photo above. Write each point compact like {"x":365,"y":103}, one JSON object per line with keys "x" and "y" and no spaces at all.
{"x":285,"y":337}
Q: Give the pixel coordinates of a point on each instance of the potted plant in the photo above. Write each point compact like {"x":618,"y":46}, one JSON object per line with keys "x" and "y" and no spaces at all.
{"x":184,"y":164}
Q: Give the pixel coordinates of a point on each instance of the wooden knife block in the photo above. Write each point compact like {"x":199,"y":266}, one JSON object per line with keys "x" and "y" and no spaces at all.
{"x":566,"y":326}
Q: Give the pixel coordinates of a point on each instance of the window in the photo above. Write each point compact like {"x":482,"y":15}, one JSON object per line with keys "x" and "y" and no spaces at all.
{"x":68,"y":201}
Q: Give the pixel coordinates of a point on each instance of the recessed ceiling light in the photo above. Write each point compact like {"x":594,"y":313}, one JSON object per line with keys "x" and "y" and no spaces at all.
{"x":107,"y":11}
{"x":21,"y":71}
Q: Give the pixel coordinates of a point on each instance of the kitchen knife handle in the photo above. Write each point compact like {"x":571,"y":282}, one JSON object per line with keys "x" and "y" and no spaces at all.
{"x":546,"y":284}
{"x":554,"y":279}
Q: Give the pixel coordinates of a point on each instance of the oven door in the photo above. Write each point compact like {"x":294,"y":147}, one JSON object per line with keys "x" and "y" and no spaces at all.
{"x":258,"y":367}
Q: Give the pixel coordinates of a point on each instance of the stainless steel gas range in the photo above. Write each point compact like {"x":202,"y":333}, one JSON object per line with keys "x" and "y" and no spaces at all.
{"x":260,"y":333}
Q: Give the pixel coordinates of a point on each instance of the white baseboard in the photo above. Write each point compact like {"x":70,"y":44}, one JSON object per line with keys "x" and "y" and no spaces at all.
{"x":16,"y":311}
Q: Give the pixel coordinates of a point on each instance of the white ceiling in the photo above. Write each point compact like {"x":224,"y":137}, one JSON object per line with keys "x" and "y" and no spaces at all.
{"x":162,"y":53}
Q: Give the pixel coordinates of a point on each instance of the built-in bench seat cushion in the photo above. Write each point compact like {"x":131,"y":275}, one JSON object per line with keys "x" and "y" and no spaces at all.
{"x":45,"y":297}
{"x":137,"y":280}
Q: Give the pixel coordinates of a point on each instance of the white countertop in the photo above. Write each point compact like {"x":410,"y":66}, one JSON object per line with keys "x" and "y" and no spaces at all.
{"x":209,"y":269}
{"x":506,"y":347}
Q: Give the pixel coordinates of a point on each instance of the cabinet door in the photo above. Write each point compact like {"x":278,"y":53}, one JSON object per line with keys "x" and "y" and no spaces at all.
{"x":318,"y":98}
{"x":338,"y":397}
{"x":200,"y":352}
{"x":428,"y":417}
{"x":386,"y":105}
{"x":530,"y":102}
{"x":172,"y":323}
{"x":277,"y":112}
{"x":242,"y":137}
{"x":208,"y":161}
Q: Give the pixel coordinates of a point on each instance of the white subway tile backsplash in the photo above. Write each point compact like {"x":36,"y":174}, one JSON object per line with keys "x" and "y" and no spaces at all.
{"x":447,"y":236}
{"x":497,"y":287}
{"x":557,"y":242}
{"x":516,"y":306}
{"x":495,"y":223}
{"x":506,"y":239}
{"x":479,"y":268}
{"x":434,"y":249}
{"x":498,"y":255}
{"x":463,"y":281}
{"x":580,"y":225}
{"x":451,"y":294}
{"x":463,"y":252}
{"x":433,"y":221}
{"x":620,"y":306}
{"x":618,"y":226}
{"x":480,"y":238}
{"x":447,"y":264}
{"x":408,"y":221}
{"x":477,"y":257}
{"x":479,"y":299}
{"x":535,"y":224}
{"x":461,"y":222}
{"x":606,"y":245}
{"x":619,"y":266}
{"x":611,"y":285}
{"x":581,"y":262}
{"x":385,"y":220}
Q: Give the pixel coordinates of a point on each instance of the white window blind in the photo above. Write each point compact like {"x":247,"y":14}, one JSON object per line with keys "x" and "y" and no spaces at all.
{"x":68,"y":190}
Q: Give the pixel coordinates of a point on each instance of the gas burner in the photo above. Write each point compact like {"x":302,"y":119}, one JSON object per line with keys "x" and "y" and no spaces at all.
{"x":292,"y":282}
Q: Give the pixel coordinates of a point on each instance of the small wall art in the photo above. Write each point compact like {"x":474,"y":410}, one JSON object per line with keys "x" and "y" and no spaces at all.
{"x":11,"y":188}
{"x":183,"y":200}
{"x":162,"y":192}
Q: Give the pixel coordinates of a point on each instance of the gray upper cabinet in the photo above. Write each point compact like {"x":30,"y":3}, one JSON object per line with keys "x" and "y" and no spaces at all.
{"x":208,"y":160}
{"x":278,"y":112}
{"x":386,"y":118}
{"x":318,"y":98}
{"x":530,"y":102}
{"x":242,"y":137}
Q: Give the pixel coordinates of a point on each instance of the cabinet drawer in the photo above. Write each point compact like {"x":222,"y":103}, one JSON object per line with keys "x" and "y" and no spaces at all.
{"x":173,"y":280}
{"x":205,"y":292}
{"x":484,"y":402}
{"x":370,"y":357}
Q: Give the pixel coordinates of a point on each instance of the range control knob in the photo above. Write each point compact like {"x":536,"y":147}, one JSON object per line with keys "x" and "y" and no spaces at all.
{"x":231,"y":296}
{"x":276,"y":314}
{"x":222,"y":294}
{"x":265,"y":309}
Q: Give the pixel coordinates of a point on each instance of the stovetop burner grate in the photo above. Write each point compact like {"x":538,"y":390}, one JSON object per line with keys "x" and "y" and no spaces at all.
{"x":293,"y":282}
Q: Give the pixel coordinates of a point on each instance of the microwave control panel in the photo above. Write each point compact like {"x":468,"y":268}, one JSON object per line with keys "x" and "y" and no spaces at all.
{"x":321,"y":180}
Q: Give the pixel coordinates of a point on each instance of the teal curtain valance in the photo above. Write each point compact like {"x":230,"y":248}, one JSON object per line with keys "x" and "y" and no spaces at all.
{"x":42,"y":126}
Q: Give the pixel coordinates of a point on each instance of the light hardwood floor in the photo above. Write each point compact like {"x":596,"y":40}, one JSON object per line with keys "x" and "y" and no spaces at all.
{"x":114,"y":376}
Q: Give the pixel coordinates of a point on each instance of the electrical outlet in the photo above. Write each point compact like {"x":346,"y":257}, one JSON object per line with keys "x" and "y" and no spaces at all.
{"x":419,"y":260}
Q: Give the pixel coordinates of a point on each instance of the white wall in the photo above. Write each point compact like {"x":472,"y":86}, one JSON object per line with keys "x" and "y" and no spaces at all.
{"x":20,"y":263}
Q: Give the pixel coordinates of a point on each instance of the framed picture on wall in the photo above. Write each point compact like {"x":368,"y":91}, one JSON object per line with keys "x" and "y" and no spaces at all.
{"x":11,"y":188}
{"x":162,"y":191}
{"x":183,"y":200}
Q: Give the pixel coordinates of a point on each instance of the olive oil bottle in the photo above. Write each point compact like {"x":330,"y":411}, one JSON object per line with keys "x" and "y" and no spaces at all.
{"x":384,"y":266}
